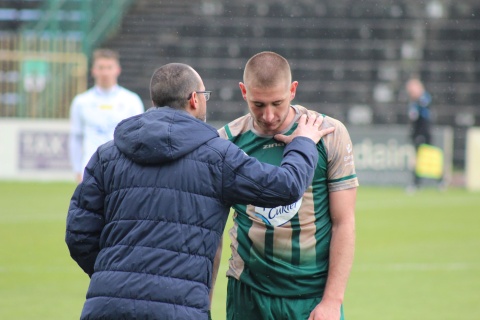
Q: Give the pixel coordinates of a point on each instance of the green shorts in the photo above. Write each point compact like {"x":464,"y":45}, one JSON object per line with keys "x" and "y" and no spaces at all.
{"x":244,"y":302}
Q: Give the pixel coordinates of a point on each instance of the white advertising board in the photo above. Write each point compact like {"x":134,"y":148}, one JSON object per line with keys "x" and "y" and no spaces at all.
{"x":38,"y":150}
{"x":384,"y":154}
{"x":34,"y":150}
{"x":472,"y":163}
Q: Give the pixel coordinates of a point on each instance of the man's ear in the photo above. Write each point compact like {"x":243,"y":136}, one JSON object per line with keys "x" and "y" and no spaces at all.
{"x":193,"y":102}
{"x":243,"y":89}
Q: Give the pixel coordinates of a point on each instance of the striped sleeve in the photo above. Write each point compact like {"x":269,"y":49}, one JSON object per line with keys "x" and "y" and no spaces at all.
{"x":341,"y":164}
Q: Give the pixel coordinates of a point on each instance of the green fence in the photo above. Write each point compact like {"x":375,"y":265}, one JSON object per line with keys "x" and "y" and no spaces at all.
{"x":44,"y":65}
{"x":40,"y":76}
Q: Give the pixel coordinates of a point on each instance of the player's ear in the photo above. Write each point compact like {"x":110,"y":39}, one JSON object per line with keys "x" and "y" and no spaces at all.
{"x":243,"y":89}
{"x":293,"y":89}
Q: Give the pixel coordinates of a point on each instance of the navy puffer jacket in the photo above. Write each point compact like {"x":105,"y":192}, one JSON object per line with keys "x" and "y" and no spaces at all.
{"x":147,"y":219}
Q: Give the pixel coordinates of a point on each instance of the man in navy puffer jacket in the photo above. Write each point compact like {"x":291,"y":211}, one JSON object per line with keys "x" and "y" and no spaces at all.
{"x":147,"y":219}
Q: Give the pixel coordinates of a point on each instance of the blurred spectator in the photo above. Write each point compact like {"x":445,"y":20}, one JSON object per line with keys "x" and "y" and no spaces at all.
{"x":420,"y":118}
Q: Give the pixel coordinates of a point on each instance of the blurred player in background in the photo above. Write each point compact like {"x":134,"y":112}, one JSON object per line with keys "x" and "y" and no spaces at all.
{"x":290,"y":262}
{"x":95,"y":113}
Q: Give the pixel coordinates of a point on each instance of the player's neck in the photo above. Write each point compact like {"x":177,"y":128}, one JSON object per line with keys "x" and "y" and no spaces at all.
{"x":288,"y":121}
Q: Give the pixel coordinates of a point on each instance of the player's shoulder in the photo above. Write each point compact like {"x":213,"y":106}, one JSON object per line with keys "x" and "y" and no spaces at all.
{"x":236,"y":127}
{"x":332,"y":122}
{"x":84,"y":96}
{"x":327,"y":120}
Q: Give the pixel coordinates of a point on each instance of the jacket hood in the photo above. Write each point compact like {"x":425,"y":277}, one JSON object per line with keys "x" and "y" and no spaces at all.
{"x":161,"y":135}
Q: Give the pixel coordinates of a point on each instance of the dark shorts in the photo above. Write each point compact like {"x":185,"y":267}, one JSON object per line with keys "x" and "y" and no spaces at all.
{"x":245,"y":303}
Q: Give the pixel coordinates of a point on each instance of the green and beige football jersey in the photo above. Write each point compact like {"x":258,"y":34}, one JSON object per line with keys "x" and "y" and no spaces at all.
{"x":284,"y":250}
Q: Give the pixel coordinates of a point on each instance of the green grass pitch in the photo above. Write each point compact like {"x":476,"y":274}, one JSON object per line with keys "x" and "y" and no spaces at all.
{"x":417,"y":256}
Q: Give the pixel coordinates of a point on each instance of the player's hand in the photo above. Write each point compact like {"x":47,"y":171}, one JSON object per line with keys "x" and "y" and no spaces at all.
{"x":307,"y":127}
{"x":325,"y":311}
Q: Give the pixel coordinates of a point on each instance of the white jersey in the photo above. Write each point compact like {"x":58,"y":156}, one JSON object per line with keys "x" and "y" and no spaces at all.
{"x":94,"y":115}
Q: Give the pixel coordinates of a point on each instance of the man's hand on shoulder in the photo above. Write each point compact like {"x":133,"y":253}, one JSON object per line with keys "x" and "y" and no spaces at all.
{"x":308,"y":127}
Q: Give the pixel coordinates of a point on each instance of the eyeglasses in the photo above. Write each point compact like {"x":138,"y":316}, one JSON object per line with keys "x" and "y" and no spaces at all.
{"x":205,"y":93}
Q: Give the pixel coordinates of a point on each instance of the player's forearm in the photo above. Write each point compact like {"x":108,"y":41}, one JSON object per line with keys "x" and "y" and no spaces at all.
{"x":342,"y":250}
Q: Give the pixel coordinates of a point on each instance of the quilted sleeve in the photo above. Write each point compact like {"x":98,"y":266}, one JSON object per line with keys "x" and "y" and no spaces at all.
{"x":249,"y":181}
{"x":85,"y":220}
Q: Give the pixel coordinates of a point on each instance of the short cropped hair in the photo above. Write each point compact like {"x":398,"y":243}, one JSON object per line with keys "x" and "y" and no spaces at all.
{"x":266,"y":69}
{"x":106,"y":54}
{"x":171,"y":85}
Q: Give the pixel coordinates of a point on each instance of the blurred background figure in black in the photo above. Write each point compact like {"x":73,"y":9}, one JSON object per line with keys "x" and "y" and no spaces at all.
{"x":420,"y":117}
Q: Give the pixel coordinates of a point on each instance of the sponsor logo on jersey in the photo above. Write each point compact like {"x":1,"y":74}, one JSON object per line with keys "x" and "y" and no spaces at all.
{"x":348,"y":159}
{"x":349,"y":148}
{"x":273,"y":145}
{"x":279,"y":215}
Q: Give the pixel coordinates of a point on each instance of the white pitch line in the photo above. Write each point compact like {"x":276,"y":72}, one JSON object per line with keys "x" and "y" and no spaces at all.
{"x":13,"y":219}
{"x":416,"y":266}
